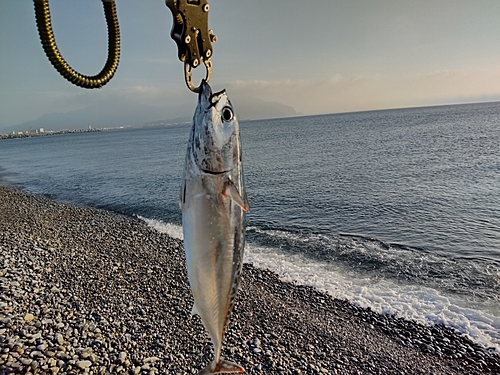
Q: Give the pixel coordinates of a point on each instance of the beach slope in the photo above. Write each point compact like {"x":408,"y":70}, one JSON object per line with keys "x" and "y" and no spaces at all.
{"x":90,"y":291}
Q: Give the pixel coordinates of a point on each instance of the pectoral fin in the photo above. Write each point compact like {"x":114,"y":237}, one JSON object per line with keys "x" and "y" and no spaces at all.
{"x":232,"y":193}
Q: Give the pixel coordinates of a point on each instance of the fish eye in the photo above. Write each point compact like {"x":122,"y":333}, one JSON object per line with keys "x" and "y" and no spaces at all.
{"x":227,"y":114}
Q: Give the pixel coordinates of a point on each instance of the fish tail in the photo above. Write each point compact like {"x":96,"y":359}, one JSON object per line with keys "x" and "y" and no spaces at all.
{"x":222,"y":367}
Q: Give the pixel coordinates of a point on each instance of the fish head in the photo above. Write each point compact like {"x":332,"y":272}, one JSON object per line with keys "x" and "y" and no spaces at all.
{"x":215,"y":141}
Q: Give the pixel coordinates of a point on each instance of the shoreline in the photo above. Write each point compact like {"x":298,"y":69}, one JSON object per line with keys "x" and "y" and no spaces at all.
{"x":20,"y":135}
{"x":84,"y":290}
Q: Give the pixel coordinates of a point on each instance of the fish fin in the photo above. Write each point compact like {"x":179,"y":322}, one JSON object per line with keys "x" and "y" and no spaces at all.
{"x":245,"y":199}
{"x":222,"y":367}
{"x":194,"y":310}
{"x":231,"y":192}
{"x":182,"y":195}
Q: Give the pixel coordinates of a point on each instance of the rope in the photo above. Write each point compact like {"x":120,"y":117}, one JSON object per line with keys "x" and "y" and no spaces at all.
{"x":43,"y":22}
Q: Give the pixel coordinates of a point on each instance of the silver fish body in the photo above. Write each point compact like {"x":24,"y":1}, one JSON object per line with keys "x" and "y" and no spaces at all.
{"x":213,"y":203}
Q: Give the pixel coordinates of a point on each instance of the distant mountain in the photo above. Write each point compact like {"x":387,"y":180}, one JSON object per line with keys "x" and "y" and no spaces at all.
{"x":102,"y":115}
{"x":250,"y":108}
{"x":247,"y":108}
{"x":129,"y":113}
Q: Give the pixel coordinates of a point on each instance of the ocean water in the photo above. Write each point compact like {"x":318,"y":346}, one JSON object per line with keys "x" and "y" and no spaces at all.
{"x":398,"y":210}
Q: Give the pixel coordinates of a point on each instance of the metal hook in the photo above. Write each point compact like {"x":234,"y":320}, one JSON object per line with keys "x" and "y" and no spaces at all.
{"x":188,"y":74}
{"x":190,"y":32}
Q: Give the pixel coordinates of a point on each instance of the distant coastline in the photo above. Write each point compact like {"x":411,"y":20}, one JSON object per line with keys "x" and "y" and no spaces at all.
{"x":27,"y":134}
{"x":40,"y":132}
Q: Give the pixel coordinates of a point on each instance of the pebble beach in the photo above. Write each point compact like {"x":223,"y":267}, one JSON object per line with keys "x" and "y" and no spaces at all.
{"x":88,"y":291}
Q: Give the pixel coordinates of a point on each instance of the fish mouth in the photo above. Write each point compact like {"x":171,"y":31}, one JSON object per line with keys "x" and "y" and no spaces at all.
{"x":215,"y":173}
{"x":206,"y":95}
{"x":206,"y":90}
{"x":215,"y":97}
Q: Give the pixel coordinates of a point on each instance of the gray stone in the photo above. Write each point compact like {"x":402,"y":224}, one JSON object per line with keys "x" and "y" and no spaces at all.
{"x":59,"y":338}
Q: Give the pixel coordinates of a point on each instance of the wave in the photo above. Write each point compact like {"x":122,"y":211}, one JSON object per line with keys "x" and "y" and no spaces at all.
{"x":172,"y":230}
{"x":477,"y":281}
{"x":385,"y":295}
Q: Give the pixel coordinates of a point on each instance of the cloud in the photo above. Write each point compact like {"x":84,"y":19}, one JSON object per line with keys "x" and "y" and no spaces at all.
{"x":452,"y":86}
{"x":440,"y":73}
{"x":15,"y":110}
{"x":335,"y":93}
{"x":342,"y":93}
{"x":149,"y":95}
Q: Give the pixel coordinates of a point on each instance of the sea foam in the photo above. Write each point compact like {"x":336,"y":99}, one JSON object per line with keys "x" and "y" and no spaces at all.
{"x":422,"y":304}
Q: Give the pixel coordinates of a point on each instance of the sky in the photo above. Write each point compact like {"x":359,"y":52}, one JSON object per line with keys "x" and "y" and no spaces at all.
{"x":318,"y":56}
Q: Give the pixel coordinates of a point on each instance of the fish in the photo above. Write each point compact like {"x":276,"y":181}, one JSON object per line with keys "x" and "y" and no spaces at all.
{"x":213,"y":201}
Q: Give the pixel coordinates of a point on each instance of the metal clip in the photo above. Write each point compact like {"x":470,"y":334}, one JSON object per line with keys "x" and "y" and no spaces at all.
{"x":194,"y":39}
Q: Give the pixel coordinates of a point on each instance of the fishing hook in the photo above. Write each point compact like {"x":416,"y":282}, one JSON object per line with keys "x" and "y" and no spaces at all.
{"x":190,"y":32}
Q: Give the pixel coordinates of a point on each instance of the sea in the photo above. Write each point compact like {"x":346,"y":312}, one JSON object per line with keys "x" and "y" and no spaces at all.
{"x":396,"y":210}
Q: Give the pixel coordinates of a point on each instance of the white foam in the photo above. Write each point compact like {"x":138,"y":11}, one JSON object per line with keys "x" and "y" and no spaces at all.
{"x":172,"y":230}
{"x":422,"y":304}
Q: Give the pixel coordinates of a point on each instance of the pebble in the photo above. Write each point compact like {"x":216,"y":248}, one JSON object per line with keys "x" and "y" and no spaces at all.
{"x":59,"y":338}
{"x":122,"y":356}
{"x":84,"y":364}
{"x":112,"y":297}
{"x":29,"y":317}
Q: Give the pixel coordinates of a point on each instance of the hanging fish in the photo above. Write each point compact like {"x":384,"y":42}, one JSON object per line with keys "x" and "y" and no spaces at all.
{"x":213,"y":203}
